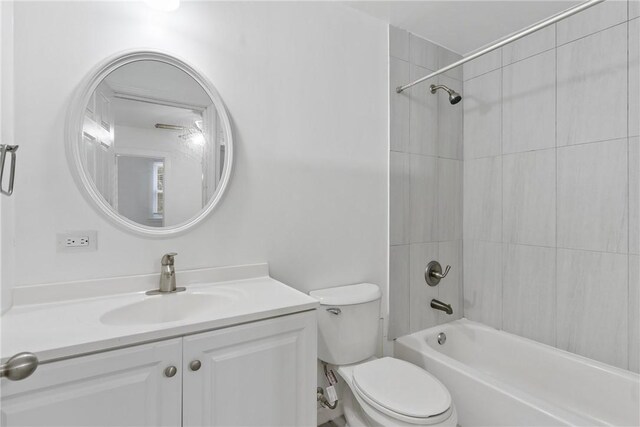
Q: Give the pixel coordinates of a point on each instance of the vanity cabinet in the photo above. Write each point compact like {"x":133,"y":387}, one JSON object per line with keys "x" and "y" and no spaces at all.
{"x":259,"y":373}
{"x":125,"y":387}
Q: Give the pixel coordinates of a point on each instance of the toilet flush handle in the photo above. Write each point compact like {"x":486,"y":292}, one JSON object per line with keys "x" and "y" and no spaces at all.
{"x":334,"y":310}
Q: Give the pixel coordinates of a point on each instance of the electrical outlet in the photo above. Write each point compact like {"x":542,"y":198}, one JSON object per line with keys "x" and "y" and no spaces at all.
{"x":77,"y":241}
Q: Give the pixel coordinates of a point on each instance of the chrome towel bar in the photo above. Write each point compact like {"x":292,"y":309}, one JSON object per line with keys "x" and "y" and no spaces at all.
{"x":19,"y":367}
{"x":4,"y":150}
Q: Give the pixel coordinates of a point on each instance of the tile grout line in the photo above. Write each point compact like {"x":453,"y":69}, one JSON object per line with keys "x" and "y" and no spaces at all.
{"x":552,"y":247}
{"x":591,"y":34}
{"x":502,"y":246}
{"x":628,"y":195}
{"x":556,"y":46}
{"x":555,"y":278}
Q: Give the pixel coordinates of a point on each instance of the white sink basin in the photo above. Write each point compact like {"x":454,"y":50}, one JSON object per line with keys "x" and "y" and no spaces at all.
{"x":168,"y":308}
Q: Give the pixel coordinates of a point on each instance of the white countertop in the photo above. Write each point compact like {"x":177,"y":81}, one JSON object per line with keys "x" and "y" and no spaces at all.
{"x":54,"y":329}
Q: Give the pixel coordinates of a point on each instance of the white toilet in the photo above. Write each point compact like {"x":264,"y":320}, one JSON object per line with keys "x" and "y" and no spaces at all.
{"x":380,"y":392}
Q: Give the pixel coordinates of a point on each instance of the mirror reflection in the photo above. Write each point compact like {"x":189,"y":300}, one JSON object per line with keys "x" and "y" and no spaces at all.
{"x":153,"y":143}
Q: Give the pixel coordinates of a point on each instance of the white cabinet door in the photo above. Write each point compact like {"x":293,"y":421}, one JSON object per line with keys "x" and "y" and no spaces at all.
{"x":257,"y":374}
{"x":125,"y":387}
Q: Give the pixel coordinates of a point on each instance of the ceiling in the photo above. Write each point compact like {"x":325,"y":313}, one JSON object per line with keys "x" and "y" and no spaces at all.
{"x":145,"y":115}
{"x":462,"y":26}
{"x":158,"y":80}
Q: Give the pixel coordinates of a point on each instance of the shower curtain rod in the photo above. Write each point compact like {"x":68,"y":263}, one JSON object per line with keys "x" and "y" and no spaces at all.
{"x":532,"y":29}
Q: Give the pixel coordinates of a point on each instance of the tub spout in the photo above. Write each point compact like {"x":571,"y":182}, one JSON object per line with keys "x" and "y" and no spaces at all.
{"x":439,"y":305}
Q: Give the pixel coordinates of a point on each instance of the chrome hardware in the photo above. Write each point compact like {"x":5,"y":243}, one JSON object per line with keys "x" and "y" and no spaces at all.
{"x":332,"y":380}
{"x":442,"y":338}
{"x":433,"y":273}
{"x":520,"y":34}
{"x":439,"y":305}
{"x":4,"y":149}
{"x":167,"y":276}
{"x":19,"y":366}
{"x":334,"y":310}
{"x":454,"y":97}
{"x":320,"y":397}
{"x":195,"y":365}
{"x":170,"y":371}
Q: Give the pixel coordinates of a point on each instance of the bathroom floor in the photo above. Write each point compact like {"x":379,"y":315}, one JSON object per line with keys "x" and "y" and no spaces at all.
{"x":338,"y":422}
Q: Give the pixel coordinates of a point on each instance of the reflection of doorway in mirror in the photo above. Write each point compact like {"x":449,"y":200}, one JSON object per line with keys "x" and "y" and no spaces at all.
{"x":138,"y":195}
{"x":158,"y":189}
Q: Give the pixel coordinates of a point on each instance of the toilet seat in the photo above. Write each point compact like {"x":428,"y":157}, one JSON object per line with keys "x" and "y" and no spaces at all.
{"x":402,"y":391}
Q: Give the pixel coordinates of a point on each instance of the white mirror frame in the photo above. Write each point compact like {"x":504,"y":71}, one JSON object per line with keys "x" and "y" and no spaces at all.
{"x":73,"y":138}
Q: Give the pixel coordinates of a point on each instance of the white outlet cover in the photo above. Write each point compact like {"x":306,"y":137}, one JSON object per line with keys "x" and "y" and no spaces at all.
{"x":79,"y":236}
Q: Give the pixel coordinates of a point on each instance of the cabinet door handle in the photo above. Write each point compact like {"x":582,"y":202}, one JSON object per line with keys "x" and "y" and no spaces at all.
{"x":195,"y":365}
{"x":170,"y":371}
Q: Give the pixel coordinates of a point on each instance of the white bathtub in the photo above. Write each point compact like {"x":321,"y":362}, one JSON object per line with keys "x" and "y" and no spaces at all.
{"x":499,"y":379}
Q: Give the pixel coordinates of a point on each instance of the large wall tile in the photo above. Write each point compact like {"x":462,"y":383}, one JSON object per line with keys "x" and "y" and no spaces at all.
{"x":450,"y":288}
{"x":424,"y":116}
{"x":423,"y":53}
{"x":449,"y":200}
{"x":399,"y":198}
{"x":592,"y":305}
{"x":530,"y":45}
{"x":398,"y":43}
{"x":483,"y":115}
{"x":634,"y":76}
{"x":529,"y":198}
{"x":592,"y":196}
{"x":529,"y":99}
{"x":634,"y":9}
{"x":450,"y":121}
{"x":564,"y":174}
{"x":634,"y":195}
{"x":483,"y":282}
{"x":483,"y":64}
{"x":592,"y":20}
{"x":634,"y":313}
{"x":424,"y":209}
{"x":529,"y":292}
{"x":399,"y":290}
{"x":447,"y":57}
{"x":416,"y":201}
{"x":422,"y":315}
{"x":592,"y":87}
{"x":483,"y":199}
{"x":399,"y":104}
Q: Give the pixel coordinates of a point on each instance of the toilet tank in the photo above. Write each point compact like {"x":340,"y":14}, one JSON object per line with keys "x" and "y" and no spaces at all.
{"x":348,"y":323}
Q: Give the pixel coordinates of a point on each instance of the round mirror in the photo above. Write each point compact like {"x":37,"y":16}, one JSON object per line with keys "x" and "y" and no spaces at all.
{"x":150,"y":143}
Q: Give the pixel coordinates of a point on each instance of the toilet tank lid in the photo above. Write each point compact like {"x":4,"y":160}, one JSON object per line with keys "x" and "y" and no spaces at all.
{"x":347,"y":295}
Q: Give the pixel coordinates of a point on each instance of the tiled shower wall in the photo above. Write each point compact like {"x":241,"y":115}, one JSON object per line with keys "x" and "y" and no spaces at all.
{"x":551,"y":136}
{"x":426,"y":185}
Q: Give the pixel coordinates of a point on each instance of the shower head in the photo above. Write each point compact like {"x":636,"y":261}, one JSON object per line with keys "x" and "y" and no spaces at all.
{"x":454,"y":97}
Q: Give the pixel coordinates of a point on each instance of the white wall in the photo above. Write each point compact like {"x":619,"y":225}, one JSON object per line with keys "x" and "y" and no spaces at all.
{"x":6,"y":137}
{"x":551,"y":185}
{"x":306,"y":87}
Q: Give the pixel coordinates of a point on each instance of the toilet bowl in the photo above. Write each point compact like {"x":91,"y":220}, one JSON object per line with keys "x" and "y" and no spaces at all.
{"x":380,"y":392}
{"x":392,"y":392}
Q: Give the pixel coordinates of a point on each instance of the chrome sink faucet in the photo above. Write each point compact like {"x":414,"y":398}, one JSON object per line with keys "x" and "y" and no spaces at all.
{"x":167,"y":276}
